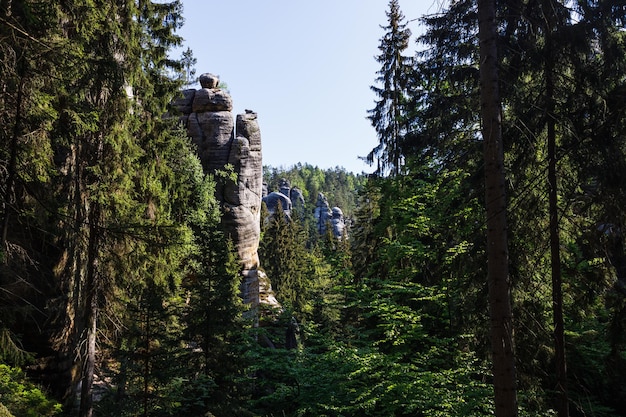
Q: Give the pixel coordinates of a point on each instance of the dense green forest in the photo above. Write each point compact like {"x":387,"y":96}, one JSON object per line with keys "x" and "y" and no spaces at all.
{"x":120,"y":292}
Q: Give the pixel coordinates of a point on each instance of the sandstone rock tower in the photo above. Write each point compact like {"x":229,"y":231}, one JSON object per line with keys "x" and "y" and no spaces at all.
{"x":207,"y":115}
{"x":325,"y":215}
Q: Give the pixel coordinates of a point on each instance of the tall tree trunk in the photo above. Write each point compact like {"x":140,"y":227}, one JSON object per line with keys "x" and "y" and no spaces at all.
{"x":495,"y":201}
{"x":555,"y":255}
{"x":90,"y":295}
{"x":91,"y":313}
{"x":147,"y":359}
{"x":12,"y":167}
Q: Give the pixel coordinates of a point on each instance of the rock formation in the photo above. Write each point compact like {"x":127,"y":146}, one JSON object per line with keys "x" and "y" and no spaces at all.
{"x":273,"y":199}
{"x":321,"y":213}
{"x":289,"y":198}
{"x":294,"y":194}
{"x":325,"y":216}
{"x":206,"y":113}
{"x":338,"y":223}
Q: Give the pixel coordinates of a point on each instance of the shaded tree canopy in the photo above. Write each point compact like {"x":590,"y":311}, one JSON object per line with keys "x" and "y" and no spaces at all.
{"x":120,"y":294}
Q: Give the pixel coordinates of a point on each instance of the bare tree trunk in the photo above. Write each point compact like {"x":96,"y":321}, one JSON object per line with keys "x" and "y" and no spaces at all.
{"x":91,"y":292}
{"x":146,"y":363}
{"x":12,"y":166}
{"x":555,"y":254}
{"x":495,"y":201}
{"x":90,"y":314}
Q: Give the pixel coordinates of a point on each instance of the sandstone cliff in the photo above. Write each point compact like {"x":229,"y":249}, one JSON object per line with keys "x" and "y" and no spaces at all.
{"x":207,"y":115}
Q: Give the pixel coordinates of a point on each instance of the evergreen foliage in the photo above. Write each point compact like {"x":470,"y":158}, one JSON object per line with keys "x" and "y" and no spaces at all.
{"x":21,"y":398}
{"x":114,"y":271}
{"x":339,"y":186}
{"x":214,"y":326}
{"x":284,"y":253}
{"x":389,"y":116}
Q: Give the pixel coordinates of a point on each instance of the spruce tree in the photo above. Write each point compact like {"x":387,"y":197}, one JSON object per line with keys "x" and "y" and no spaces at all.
{"x":94,"y":110}
{"x":564,"y":55}
{"x":105,"y":129}
{"x":214,"y":325}
{"x":30,"y":57}
{"x":495,"y":200}
{"x":283,"y":255}
{"x":389,"y":116}
{"x":448,"y":94}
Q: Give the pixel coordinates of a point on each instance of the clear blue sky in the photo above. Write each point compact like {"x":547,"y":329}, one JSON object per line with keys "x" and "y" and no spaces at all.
{"x":304,"y":66}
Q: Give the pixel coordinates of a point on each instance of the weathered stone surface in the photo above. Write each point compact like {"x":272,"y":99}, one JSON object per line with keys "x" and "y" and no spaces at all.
{"x":183,"y":102}
{"x":257,"y":290}
{"x":273,"y":199}
{"x":297,"y":199}
{"x":211,"y":126}
{"x":247,"y":190}
{"x":208,"y":80}
{"x":284,"y":186}
{"x":193,"y":129}
{"x":236,"y":192}
{"x":215,"y":142}
{"x":214,"y":99}
{"x":338,"y":223}
{"x":289,"y":198}
{"x":247,"y":126}
{"x":243,"y":226}
{"x":322,"y":213}
{"x":292,"y":201}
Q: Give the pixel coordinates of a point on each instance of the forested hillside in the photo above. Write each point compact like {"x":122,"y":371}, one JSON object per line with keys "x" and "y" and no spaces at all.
{"x":120,"y":293}
{"x":339,"y":186}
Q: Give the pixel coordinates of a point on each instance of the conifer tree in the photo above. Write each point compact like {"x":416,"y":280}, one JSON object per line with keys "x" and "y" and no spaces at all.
{"x":104,"y":130}
{"x":364,"y":240}
{"x":576,"y":54}
{"x":28,"y":51}
{"x":29,"y":56}
{"x":151,"y":353}
{"x":94,"y":110}
{"x":497,"y":242}
{"x":564,"y":55}
{"x":214,"y":324}
{"x":283,"y":256}
{"x":389,"y":116}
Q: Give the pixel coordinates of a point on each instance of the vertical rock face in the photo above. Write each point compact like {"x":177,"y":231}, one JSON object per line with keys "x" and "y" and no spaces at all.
{"x":207,"y":115}
{"x":324,"y":215}
{"x":273,"y":199}
{"x":338,"y":223}
{"x":289,"y":198}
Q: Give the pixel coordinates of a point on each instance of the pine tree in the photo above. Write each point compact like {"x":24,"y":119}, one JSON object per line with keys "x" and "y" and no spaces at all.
{"x":564,"y":56}
{"x":283,"y":255}
{"x":95,"y":108}
{"x":389,"y":117}
{"x":364,"y":239}
{"x":495,"y":198}
{"x":444,"y":96}
{"x":188,"y":61}
{"x":150,"y":354}
{"x":214,"y":325}
{"x":27,"y":41}
{"x":103,"y":133}
{"x":29,"y":53}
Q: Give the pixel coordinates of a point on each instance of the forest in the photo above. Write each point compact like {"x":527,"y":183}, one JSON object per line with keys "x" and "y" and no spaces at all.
{"x":482,"y":271}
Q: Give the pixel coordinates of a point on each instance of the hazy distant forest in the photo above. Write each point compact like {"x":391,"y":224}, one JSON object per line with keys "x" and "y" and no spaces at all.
{"x":483,"y":273}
